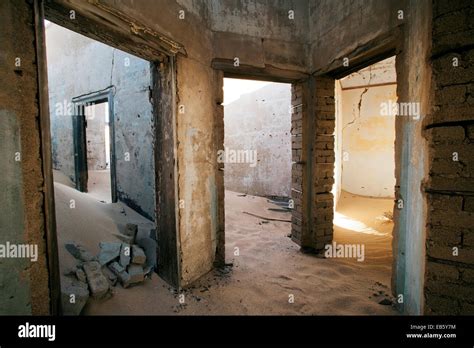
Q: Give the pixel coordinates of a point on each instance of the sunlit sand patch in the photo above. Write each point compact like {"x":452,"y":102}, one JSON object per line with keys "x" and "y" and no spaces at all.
{"x":343,"y":221}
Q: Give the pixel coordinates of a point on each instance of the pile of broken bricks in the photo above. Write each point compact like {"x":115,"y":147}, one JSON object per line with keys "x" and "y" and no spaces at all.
{"x":128,"y":262}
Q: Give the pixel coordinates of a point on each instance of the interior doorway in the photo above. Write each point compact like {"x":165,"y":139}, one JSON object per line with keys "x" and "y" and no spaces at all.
{"x":94,"y":145}
{"x":104,"y":131}
{"x":257,"y":162}
{"x":98,"y":151}
{"x":364,"y":188}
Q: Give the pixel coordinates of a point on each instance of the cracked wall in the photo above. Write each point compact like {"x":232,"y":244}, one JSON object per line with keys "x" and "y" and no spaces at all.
{"x":368,"y":136}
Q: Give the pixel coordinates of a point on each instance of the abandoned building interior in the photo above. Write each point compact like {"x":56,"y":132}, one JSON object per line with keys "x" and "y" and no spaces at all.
{"x":308,"y":157}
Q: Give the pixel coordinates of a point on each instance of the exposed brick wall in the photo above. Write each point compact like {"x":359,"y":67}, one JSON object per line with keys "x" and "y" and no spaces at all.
{"x":298,"y":109}
{"x":323,"y":162}
{"x":449,"y":277}
{"x":313,"y":122}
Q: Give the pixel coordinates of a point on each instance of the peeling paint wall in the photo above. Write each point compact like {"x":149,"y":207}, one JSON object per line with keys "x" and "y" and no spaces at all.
{"x":368,"y":136}
{"x":260,"y":122}
{"x":197,"y":163}
{"x":77,"y":66}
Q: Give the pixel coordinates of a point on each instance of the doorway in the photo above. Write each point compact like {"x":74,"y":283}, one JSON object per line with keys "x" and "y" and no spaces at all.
{"x":257,"y":164}
{"x":73,"y":111}
{"x":98,"y":151}
{"x":364,"y":185}
{"x":94,"y":145}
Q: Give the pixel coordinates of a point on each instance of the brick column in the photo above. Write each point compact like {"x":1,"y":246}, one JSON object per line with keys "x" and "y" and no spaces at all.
{"x":313,"y":122}
{"x":323,"y":162}
{"x":298,"y":220}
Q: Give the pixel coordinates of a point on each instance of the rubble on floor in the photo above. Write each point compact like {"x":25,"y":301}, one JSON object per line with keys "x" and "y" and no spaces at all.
{"x":127,"y":262}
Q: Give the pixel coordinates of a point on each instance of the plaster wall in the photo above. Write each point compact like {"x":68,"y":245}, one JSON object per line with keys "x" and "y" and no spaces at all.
{"x":260,"y":121}
{"x":368,"y":142}
{"x":413,"y":85}
{"x":368,"y":136}
{"x":261,"y":33}
{"x":339,"y":28}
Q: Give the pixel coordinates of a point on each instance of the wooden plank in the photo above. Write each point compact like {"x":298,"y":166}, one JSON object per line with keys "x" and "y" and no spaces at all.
{"x":80,"y":148}
{"x":163,"y":94}
{"x":113,"y":155}
{"x":267,"y":73}
{"x":48,"y":188}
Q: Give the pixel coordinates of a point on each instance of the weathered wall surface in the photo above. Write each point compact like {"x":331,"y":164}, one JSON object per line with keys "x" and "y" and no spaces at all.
{"x":260,"y":121}
{"x":77,"y":66}
{"x":197,"y":162}
{"x":261,"y":33}
{"x":368,"y":137}
{"x":338,"y":28}
{"x":449,"y":283}
{"x":23,"y":284}
{"x":413,"y":85}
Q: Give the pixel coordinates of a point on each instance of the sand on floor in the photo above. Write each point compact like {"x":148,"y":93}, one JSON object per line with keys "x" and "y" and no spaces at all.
{"x":83,"y":218}
{"x":269,"y":274}
{"x":99,"y":185}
